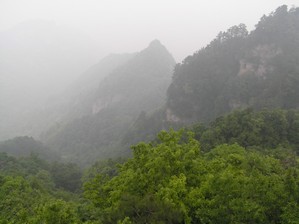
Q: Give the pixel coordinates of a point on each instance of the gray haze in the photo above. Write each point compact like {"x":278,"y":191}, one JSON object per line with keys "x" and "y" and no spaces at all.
{"x":127,"y":26}
{"x":46,"y":44}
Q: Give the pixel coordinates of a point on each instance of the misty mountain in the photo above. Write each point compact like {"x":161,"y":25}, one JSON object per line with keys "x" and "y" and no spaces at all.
{"x":236,"y":70}
{"x":80,"y":95}
{"x":138,"y":85}
{"x":72,"y":103}
{"x":76,"y":101}
{"x":240,"y":70}
{"x":37,"y":60}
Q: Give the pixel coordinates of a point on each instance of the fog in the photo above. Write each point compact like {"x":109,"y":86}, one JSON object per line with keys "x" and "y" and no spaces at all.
{"x":127,"y":26}
{"x":46,"y":45}
{"x":149,"y":111}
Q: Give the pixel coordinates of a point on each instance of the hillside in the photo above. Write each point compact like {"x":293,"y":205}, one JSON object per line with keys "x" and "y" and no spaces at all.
{"x":239,"y":70}
{"x":138,"y":85}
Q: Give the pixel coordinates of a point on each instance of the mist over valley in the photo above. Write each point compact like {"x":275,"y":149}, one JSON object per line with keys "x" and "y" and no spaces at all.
{"x":149,"y":112}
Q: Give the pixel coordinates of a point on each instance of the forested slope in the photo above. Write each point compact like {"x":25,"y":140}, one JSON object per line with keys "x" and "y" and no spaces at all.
{"x":240,"y":69}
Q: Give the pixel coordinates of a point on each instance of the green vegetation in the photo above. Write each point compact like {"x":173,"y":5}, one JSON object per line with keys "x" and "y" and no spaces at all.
{"x":266,"y":129}
{"x":244,"y":169}
{"x":238,"y":172}
{"x":174,"y":182}
{"x":31,"y":192}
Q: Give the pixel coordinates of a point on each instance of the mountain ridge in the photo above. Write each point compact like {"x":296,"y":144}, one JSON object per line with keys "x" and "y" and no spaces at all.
{"x":237,"y":70}
{"x":138,"y":85}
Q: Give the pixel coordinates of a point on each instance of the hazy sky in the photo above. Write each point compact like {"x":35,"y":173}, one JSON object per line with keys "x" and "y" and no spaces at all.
{"x":183,"y":26}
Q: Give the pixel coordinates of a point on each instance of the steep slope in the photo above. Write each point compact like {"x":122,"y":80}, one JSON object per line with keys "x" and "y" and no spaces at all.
{"x":138,"y":85}
{"x":237,"y":70}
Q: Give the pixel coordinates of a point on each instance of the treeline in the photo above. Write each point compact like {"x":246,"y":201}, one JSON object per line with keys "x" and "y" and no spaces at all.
{"x":248,"y":128}
{"x":243,"y":169}
{"x":266,"y":129}
{"x":24,"y":146}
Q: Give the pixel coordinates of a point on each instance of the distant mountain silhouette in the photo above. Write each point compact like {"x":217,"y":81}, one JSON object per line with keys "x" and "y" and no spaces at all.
{"x":138,"y":85}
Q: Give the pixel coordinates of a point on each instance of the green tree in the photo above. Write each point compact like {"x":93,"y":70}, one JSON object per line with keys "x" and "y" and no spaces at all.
{"x":151,"y":186}
{"x":57,"y":212}
{"x":171,"y":181}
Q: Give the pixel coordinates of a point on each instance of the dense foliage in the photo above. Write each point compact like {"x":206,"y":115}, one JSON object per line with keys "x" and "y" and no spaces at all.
{"x":248,"y":128}
{"x":32,"y":192}
{"x":266,"y":129}
{"x":174,"y":182}
{"x":244,"y":169}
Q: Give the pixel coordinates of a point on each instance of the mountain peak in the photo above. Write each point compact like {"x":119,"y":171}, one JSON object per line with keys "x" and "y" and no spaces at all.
{"x":158,"y":50}
{"x":155,"y":43}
